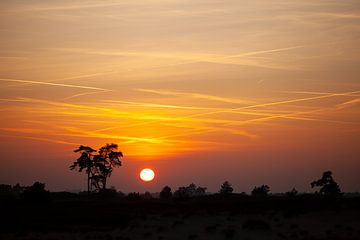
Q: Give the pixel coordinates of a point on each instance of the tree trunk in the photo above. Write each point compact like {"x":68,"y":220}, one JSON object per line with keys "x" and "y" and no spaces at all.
{"x":88,"y":183}
{"x":104,"y":184}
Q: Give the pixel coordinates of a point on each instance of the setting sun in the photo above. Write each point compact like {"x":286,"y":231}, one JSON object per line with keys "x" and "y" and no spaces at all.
{"x":147,"y":175}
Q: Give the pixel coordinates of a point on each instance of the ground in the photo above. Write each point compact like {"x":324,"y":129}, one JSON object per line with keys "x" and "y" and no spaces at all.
{"x":213,"y":217}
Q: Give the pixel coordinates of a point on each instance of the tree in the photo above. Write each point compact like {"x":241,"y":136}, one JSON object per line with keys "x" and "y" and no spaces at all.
{"x":147,"y":195}
{"x":226,"y":188}
{"x":98,"y":165}
{"x":190,"y":191}
{"x":166,"y":193}
{"x":85,"y":161}
{"x":37,"y":192}
{"x":292,"y":193}
{"x":328,"y":186}
{"x":261,"y":191}
{"x":105,"y":161}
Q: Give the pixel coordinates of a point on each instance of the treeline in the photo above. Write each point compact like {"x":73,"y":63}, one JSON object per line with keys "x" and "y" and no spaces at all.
{"x":37,"y":192}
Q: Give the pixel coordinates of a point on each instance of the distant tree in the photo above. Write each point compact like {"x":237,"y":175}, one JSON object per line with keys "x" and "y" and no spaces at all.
{"x":226,"y":188}
{"x":328,"y":186}
{"x":133,"y":196}
{"x":147,"y":195}
{"x":18,"y":189}
{"x":291,"y":193}
{"x":98,"y":165}
{"x":37,"y":192}
{"x":166,"y":193}
{"x":5,"y":188}
{"x":261,"y":191}
{"x":108,"y":192}
{"x":190,"y":191}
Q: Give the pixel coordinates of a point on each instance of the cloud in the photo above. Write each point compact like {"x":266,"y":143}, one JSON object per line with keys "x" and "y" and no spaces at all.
{"x":277,"y":103}
{"x":348,"y":104}
{"x":69,"y":7}
{"x":43,"y":139}
{"x":52,"y":84}
{"x":155,"y":105}
{"x":85,"y":93}
{"x":196,"y":95}
{"x":322,"y":93}
{"x":184,"y":58}
{"x":352,"y":16}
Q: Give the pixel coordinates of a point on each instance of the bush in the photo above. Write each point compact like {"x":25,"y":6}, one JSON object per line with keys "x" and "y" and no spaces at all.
{"x":133,"y":196}
{"x":166,"y":193}
{"x":190,"y":191}
{"x":261,"y":191}
{"x":37,"y":193}
{"x":226,"y":188}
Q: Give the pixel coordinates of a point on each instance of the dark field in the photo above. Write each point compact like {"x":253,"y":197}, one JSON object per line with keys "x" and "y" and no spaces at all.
{"x":73,"y":216}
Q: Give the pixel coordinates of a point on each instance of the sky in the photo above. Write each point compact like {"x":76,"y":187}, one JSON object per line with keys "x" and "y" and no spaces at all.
{"x":250,"y":91}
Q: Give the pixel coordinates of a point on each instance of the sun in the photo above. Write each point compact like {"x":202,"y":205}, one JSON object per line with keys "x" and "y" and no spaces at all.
{"x":147,"y":174}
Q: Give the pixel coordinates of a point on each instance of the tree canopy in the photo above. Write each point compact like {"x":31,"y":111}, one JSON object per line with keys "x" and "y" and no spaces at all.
{"x":98,"y":165}
{"x":328,"y":185}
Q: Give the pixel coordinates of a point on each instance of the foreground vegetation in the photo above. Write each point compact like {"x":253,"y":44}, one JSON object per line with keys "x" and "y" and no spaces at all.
{"x":187,"y":213}
{"x":112,"y":215}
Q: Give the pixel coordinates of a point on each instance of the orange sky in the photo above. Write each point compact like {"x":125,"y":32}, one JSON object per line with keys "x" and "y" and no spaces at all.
{"x":254,"y":92}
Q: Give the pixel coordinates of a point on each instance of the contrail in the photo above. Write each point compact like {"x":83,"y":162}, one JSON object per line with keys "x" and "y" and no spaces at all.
{"x":43,"y":139}
{"x":190,"y":58}
{"x":195,"y":95}
{"x":52,"y":84}
{"x":275,"y":103}
{"x":85,"y":93}
{"x":69,"y":7}
{"x":233,"y":110}
{"x":321,"y":93}
{"x":155,"y":105}
{"x":350,"y":103}
{"x":199,"y":131}
{"x":264,"y":51}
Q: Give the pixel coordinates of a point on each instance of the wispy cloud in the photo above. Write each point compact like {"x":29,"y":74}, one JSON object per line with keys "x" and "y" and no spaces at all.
{"x":67,"y":7}
{"x":196,"y":95}
{"x":52,"y":84}
{"x":321,"y":93}
{"x":347,"y":104}
{"x":330,"y":95}
{"x":184,"y":58}
{"x":85,"y":93}
{"x":155,"y":105}
{"x":351,"y":16}
{"x":43,"y":140}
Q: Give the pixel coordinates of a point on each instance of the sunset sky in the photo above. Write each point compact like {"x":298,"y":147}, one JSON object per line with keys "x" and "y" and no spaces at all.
{"x":250,"y":91}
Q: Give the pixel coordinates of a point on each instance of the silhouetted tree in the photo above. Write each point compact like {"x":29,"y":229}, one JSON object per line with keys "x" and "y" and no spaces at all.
{"x":328,"y":186}
{"x":98,"y":166}
{"x":226,"y":188}
{"x":166,"y":193}
{"x":261,"y":191}
{"x":104,"y":162}
{"x":291,"y":193}
{"x":108,"y":192}
{"x":133,"y":196}
{"x":37,"y":192}
{"x":85,"y":161}
{"x":5,"y":188}
{"x":190,"y":191}
{"x":147,"y":195}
